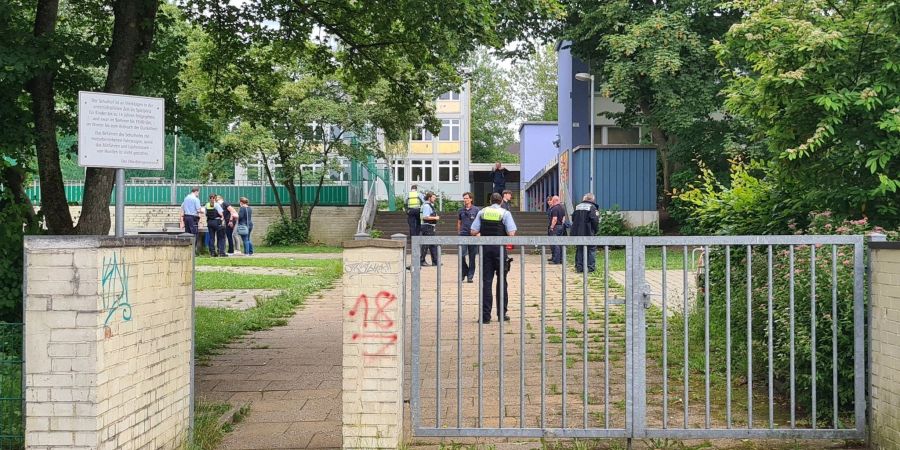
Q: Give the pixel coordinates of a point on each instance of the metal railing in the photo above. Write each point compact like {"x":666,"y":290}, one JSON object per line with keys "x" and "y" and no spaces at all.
{"x":758,"y":342}
{"x":369,"y":209}
{"x":333,"y":194}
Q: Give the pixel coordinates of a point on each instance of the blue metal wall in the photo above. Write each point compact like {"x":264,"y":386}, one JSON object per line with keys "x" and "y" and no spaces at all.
{"x":626,"y":177}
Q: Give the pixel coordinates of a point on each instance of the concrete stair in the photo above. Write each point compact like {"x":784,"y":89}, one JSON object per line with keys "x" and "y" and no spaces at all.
{"x":389,"y":223}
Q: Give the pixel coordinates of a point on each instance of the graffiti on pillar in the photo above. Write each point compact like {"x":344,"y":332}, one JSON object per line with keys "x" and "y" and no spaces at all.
{"x":377,"y":325}
{"x":114,"y":290}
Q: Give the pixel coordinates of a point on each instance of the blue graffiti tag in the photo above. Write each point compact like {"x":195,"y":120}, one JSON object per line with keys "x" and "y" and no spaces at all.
{"x":115,"y":288}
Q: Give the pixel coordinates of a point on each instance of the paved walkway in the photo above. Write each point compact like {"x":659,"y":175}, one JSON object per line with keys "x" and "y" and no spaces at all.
{"x":291,"y":374}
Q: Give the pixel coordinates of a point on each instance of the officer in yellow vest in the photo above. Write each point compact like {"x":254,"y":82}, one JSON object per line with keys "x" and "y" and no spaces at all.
{"x":414,"y":202}
{"x":494,"y":221}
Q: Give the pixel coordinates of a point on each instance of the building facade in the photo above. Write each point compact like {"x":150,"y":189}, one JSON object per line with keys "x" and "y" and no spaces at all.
{"x":623,"y":176}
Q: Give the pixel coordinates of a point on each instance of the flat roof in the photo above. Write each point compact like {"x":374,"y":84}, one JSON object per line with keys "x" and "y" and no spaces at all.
{"x":487,"y":167}
{"x":537,"y":122}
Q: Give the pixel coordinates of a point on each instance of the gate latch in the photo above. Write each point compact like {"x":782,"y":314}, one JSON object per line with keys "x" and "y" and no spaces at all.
{"x":646,"y":292}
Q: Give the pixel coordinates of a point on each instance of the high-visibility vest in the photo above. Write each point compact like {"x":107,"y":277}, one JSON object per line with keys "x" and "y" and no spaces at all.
{"x":413,"y":201}
{"x":492,"y":222}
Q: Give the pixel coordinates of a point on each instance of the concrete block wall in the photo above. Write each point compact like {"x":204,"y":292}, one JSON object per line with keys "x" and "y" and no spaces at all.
{"x":330,"y":225}
{"x":108,"y":342}
{"x":372,"y":394}
{"x":885,"y":340}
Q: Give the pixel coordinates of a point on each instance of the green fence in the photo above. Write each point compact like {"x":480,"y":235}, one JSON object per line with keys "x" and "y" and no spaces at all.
{"x":348,"y":193}
{"x":12,"y":398}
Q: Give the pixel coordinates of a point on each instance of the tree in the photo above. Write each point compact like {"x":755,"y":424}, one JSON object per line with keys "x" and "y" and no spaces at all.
{"x":492,"y":109}
{"x":534,"y":86}
{"x":654,"y":58}
{"x":819,"y":82}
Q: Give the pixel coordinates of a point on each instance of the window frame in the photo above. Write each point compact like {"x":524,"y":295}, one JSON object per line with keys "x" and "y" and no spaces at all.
{"x":453,"y":129}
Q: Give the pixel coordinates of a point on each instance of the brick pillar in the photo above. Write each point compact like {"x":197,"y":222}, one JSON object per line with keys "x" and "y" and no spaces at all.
{"x":885,"y":340}
{"x":372,"y":344}
{"x":108,"y":342}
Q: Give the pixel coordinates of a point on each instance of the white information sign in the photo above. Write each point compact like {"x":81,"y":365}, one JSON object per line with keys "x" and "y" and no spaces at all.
{"x":120,"y":131}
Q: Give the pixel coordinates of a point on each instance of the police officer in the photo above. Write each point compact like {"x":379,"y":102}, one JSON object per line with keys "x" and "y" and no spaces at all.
{"x":586,"y":222}
{"x":414,"y":201}
{"x":493,"y":221}
{"x":430,"y":220}
{"x":215,"y":226}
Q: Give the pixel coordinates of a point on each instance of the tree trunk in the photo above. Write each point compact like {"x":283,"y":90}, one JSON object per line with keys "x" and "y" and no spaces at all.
{"x":661,"y":139}
{"x":274,"y":188}
{"x":292,"y":195}
{"x":132,"y":38}
{"x":325,"y":153}
{"x":43,"y":107}
{"x":13,"y":178}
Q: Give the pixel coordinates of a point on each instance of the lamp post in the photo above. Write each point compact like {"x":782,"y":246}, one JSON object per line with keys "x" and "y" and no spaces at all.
{"x":174,"y":193}
{"x":581,"y":76}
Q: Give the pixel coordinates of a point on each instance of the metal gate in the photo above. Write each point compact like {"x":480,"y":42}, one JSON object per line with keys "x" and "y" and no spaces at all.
{"x":669,"y":337}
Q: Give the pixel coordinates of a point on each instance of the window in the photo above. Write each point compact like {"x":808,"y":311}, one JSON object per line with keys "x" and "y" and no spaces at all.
{"x":399,"y":167}
{"x":420,"y":170}
{"x":449,"y":96}
{"x":420,"y":134}
{"x":448,"y":170}
{"x":618,"y":136}
{"x":449,"y":130}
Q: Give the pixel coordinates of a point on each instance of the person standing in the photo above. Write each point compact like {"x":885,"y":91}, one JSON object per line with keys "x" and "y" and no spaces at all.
{"x":230,"y":220}
{"x":498,"y":178}
{"x":414,"y":201}
{"x":429,"y":226}
{"x":464,"y":221}
{"x":215,"y":226}
{"x":556,"y":227}
{"x":191,"y":208}
{"x":507,"y":197}
{"x":586,"y":222}
{"x":245,"y":225}
{"x":494,"y":221}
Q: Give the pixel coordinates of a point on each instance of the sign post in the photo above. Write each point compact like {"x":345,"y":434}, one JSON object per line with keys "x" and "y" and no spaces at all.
{"x":121,"y":132}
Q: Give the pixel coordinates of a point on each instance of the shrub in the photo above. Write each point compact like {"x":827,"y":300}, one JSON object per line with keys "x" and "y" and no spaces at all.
{"x":612,"y":223}
{"x":287,"y":232}
{"x":820,"y":223}
{"x":375,"y":233}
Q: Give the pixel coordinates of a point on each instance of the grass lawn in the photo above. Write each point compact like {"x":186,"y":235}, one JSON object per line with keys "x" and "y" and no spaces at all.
{"x":216,"y":327}
{"x":298,"y":249}
{"x":268,"y":262}
{"x":653,"y":255}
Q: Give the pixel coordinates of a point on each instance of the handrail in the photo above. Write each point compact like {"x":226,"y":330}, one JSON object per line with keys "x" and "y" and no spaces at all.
{"x":367,"y":218}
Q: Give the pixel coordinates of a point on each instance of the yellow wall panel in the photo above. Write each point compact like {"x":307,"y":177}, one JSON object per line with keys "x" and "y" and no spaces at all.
{"x":448,"y":147}
{"x":420,"y":147}
{"x":448,"y":106}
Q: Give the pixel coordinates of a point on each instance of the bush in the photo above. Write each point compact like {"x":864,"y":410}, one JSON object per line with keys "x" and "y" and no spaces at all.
{"x":287,"y":232}
{"x":612,"y":223}
{"x":747,"y":206}
{"x":375,"y":233}
{"x":13,"y":228}
{"x":820,"y":223}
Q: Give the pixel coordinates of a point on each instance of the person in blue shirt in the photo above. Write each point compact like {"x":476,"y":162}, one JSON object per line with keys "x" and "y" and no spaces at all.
{"x":498,"y":177}
{"x":556,"y":227}
{"x":429,"y":224}
{"x":494,"y":221}
{"x":465,"y":217}
{"x":191,"y":208}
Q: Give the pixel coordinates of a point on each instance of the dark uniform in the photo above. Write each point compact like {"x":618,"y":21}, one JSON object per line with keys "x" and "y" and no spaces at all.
{"x":498,"y":179}
{"x":413,"y":213}
{"x":586,"y":222}
{"x":228,"y":226}
{"x":494,"y":221}
{"x":466,"y":217}
{"x":559,"y":213}
{"x":215,"y":229}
